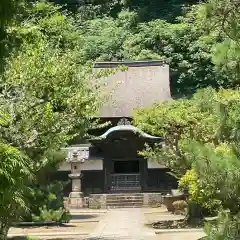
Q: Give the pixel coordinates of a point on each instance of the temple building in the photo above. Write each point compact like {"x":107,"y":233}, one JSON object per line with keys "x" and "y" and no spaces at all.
{"x":110,"y":163}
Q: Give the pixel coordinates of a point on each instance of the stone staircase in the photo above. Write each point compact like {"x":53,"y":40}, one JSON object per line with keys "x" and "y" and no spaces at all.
{"x":126,"y":200}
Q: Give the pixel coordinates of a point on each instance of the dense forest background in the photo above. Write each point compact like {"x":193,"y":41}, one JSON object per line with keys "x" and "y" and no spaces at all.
{"x":175,"y":31}
{"x":199,"y":51}
{"x":146,"y":10}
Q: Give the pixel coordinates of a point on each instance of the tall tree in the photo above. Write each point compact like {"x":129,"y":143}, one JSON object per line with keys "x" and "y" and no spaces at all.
{"x":9,"y":11}
{"x":15,"y":174}
{"x":222,"y":18}
{"x":46,"y":98}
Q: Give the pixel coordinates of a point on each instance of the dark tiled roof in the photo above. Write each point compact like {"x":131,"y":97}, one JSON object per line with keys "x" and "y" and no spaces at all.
{"x":128,"y":63}
{"x":141,"y":85}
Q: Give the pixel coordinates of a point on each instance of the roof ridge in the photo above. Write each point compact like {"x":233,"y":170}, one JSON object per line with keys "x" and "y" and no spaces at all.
{"x":138,"y":63}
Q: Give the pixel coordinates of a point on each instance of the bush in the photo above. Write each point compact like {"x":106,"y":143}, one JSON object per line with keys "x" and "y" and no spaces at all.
{"x":180,"y":206}
{"x":48,"y":215}
{"x":47,"y":203}
{"x":198,"y":194}
{"x":227,"y":227}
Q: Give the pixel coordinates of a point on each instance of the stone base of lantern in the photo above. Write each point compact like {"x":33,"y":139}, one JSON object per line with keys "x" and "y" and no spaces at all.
{"x":76,"y":200}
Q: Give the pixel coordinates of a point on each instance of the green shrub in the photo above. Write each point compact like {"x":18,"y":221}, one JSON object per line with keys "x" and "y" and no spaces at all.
{"x":227,"y":227}
{"x":198,"y":194}
{"x":48,"y":215}
{"x":46,"y":203}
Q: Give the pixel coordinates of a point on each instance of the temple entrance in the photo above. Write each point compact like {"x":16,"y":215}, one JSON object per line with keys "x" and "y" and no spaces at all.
{"x":126,"y":176}
{"x":126,"y":167}
{"x":125,"y":170}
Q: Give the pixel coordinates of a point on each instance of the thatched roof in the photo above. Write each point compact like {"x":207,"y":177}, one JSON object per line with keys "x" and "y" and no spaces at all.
{"x":141,"y":85}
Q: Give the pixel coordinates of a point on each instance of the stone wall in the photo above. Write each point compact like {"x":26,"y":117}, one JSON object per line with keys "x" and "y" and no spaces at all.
{"x":152,"y":199}
{"x":97,"y":201}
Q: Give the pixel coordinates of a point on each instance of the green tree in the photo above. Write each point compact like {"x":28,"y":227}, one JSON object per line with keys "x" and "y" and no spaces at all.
{"x":9,"y":13}
{"x":209,"y":117}
{"x":15,"y":174}
{"x":47,"y":97}
{"x":147,"y":10}
{"x":199,"y":54}
{"x":179,"y":121}
{"x":183,"y":45}
{"x":201,"y":144}
{"x":217,"y":170}
{"x":45,"y":92}
{"x":222,"y":18}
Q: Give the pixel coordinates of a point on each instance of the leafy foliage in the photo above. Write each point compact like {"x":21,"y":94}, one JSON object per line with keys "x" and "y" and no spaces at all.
{"x":226,"y":227}
{"x":178,"y":122}
{"x":62,"y":102}
{"x":199,"y":193}
{"x":15,"y":173}
{"x":181,"y":45}
{"x":224,"y":17}
{"x":147,"y":10}
{"x":49,"y":215}
{"x":47,"y":203}
{"x":202,"y":142}
{"x":9,"y":14}
{"x":218,"y":175}
{"x":46,"y":99}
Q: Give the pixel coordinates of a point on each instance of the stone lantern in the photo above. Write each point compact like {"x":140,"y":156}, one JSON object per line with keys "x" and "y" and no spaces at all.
{"x":76,"y":158}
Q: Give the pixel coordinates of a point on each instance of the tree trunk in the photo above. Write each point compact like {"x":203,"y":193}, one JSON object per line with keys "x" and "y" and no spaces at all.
{"x":195,"y":213}
{"x":4,"y":228}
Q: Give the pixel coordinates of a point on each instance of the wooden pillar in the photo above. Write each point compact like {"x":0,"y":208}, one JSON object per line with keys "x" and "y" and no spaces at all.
{"x":107,"y":166}
{"x":105,"y":175}
{"x":145,"y":175}
{"x":142,"y":173}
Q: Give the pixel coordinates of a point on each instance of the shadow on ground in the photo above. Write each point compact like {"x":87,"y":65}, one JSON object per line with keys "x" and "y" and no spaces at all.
{"x":83,"y":217}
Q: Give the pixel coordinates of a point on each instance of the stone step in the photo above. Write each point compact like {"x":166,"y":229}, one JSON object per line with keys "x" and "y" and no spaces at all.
{"x":118,"y":206}
{"x":126,"y":194}
{"x":128,"y":200}
{"x":124,"y":199}
{"x":124,"y":205}
{"x":123,"y":202}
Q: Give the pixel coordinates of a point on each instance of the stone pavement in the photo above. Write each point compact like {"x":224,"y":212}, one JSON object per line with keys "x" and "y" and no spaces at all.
{"x":125,"y":223}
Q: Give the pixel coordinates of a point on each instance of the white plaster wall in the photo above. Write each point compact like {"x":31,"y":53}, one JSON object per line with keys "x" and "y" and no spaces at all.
{"x":87,"y":165}
{"x":154,"y":164}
